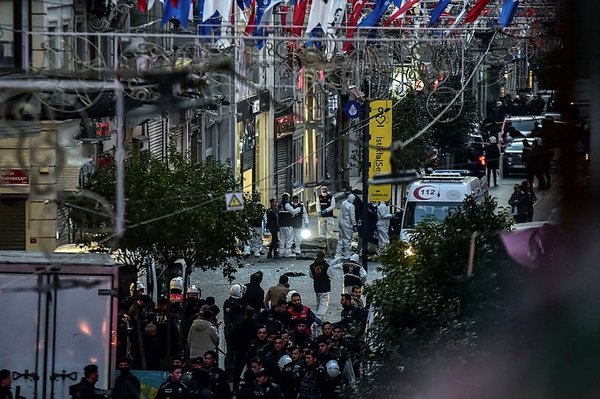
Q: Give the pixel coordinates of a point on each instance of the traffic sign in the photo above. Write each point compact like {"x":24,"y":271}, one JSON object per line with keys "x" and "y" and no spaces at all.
{"x":234,"y":201}
{"x":352,"y":109}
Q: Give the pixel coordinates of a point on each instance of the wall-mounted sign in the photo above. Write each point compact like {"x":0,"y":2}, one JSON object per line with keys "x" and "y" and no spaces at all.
{"x":102,"y":129}
{"x":352,"y":109}
{"x":380,"y":130}
{"x":14,"y":177}
{"x":253,"y":106}
{"x":234,"y":201}
{"x":285,"y":125}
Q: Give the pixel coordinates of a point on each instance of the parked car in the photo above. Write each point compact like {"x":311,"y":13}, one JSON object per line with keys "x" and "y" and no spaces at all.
{"x":476,"y":141}
{"x":523,"y":124}
{"x":512,"y":161}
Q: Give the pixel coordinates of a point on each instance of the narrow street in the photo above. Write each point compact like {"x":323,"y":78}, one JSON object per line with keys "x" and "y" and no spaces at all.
{"x":212,"y":283}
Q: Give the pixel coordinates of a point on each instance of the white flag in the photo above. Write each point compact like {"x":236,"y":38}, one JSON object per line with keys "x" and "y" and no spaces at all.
{"x":211,"y":6}
{"x":325,"y":13}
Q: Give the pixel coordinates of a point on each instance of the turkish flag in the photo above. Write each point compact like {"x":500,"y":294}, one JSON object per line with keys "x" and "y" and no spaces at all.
{"x":476,"y":11}
{"x":142,"y":5}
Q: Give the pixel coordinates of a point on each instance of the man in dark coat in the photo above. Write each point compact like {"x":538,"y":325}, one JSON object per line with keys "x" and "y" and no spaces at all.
{"x":254,"y":295}
{"x":273,"y":227}
{"x":321,"y":274}
{"x":5,"y":384}
{"x":518,"y":201}
{"x":127,"y":386}
{"x":85,"y":388}
{"x":218,"y":377}
{"x":492,"y":158}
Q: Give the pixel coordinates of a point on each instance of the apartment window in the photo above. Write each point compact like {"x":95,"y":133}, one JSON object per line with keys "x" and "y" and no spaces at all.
{"x":7,"y":36}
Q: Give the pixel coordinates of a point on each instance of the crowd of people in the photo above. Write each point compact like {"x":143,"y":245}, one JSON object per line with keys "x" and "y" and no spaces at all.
{"x":275,"y":345}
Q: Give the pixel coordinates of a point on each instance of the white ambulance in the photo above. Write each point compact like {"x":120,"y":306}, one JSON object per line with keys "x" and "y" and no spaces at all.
{"x":435,"y":195}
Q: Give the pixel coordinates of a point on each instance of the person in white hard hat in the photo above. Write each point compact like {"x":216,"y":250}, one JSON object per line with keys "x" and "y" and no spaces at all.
{"x":233,"y":315}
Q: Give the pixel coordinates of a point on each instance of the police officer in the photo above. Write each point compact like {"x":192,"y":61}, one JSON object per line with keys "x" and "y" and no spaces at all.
{"x":219,"y":385}
{"x":347,"y":227}
{"x":290,"y":368}
{"x":354,"y":274}
{"x":269,"y":389}
{"x":311,"y":378}
{"x":286,"y":213}
{"x":199,"y":383}
{"x":299,"y":221}
{"x":233,"y":316}
{"x":173,"y":388}
{"x":325,"y":207}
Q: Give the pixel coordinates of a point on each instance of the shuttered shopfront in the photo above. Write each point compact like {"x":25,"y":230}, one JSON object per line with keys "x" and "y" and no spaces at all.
{"x":156,"y":136}
{"x":13,"y":224}
{"x":283,"y":151}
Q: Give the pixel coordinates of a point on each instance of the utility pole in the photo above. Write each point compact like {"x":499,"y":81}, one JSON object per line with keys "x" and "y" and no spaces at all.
{"x":365,"y":184}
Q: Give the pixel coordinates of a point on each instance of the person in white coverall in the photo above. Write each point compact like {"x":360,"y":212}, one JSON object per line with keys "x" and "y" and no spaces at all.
{"x":383,"y":225}
{"x":299,"y":221}
{"x":347,"y":227}
{"x":286,"y":213}
{"x":325,"y":207}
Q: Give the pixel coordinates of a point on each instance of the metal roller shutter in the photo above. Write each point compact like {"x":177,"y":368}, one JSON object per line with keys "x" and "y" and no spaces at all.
{"x":331,"y":160}
{"x":12,"y":224}
{"x":283,"y":150}
{"x":156,"y":138}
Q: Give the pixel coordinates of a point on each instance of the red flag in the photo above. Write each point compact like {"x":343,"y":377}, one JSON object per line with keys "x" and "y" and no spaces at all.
{"x":142,"y":5}
{"x":298,"y":17}
{"x":397,"y":14}
{"x":252,"y":20}
{"x":476,"y":11}
{"x":357,"y":7}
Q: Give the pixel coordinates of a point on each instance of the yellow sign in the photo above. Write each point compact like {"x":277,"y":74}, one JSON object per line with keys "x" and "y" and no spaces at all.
{"x":234,"y":201}
{"x":380,"y":130}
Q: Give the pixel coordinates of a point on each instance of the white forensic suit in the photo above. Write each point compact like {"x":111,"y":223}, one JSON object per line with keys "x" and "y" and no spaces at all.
{"x":347,"y":226}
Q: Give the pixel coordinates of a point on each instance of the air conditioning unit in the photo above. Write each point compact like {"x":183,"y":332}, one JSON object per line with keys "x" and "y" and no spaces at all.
{"x":142,"y":142}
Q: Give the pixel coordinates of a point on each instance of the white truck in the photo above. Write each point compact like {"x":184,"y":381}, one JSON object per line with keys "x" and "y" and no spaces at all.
{"x":59,"y":314}
{"x":435,"y":195}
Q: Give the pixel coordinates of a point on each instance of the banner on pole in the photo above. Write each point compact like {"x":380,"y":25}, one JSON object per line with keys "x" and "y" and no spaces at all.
{"x":380,"y":130}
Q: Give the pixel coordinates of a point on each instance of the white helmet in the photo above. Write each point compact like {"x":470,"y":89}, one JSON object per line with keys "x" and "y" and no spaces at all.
{"x":289,"y":295}
{"x":176,"y":284}
{"x":140,"y":286}
{"x":237,"y":291}
{"x":333,"y":368}
{"x":355,"y":258}
{"x":193,"y":291}
{"x":284,"y":360}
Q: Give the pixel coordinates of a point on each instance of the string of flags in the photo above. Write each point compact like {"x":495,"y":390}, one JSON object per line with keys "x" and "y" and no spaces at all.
{"x":326,"y":16}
